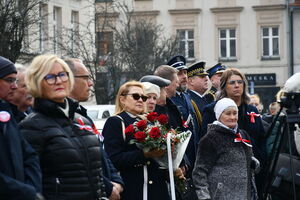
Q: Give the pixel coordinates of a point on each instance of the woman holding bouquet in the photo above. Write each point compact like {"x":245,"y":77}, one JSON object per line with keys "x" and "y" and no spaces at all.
{"x":223,"y":168}
{"x":141,"y":175}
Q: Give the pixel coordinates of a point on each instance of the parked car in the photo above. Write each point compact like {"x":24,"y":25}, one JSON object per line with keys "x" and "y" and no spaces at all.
{"x":99,"y":114}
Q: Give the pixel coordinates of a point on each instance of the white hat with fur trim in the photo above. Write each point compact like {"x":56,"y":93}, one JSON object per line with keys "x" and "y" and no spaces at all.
{"x":151,"y":88}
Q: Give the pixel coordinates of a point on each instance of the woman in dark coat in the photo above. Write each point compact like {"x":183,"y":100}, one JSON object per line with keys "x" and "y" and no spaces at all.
{"x":141,"y":175}
{"x":222,"y":169}
{"x":68,"y":149}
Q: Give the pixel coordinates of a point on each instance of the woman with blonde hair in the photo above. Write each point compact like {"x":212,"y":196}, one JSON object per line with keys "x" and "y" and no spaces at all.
{"x":68,"y":149}
{"x":141,"y":175}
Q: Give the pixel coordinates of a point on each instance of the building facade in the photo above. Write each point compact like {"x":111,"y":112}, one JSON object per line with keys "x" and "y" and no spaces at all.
{"x":249,"y":35}
{"x":59,"y":23}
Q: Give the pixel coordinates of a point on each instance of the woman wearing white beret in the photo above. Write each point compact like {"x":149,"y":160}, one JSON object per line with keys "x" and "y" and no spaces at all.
{"x":223,"y":164}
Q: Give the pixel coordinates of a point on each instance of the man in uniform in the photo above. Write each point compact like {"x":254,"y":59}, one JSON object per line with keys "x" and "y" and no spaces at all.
{"x":198,"y":85}
{"x":183,"y":102}
{"x":214,"y":75}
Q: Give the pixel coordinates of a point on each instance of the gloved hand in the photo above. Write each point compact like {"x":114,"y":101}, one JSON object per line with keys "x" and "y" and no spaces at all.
{"x":255,"y":165}
{"x":156,"y":153}
{"x":39,"y":196}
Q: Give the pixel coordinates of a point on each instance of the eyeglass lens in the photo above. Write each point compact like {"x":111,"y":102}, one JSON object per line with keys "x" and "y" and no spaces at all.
{"x":136,"y":97}
{"x":10,"y":80}
{"x":52,"y":78}
{"x":237,"y":81}
{"x":85,"y":77}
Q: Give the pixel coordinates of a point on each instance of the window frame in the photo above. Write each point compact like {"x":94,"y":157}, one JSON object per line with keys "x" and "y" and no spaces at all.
{"x":74,"y":27}
{"x":186,"y":41}
{"x":227,"y":40}
{"x":270,"y":38}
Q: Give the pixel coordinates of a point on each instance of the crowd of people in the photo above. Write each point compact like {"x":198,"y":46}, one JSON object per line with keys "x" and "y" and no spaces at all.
{"x":50,"y":148}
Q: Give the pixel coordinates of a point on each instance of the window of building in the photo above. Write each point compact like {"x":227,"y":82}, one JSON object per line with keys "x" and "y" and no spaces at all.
{"x":56,"y":27}
{"x":42,"y":26}
{"x":74,"y":27}
{"x":186,"y":45}
{"x":270,"y":42}
{"x":227,"y":44}
{"x":104,"y":44}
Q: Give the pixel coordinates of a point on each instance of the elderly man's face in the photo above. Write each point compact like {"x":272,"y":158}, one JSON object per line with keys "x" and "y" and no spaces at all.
{"x":8,"y":85}
{"x":83,"y":83}
{"x":21,"y":96}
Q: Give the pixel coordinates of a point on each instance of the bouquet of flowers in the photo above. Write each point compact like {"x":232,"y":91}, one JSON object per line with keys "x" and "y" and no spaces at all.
{"x":151,"y":134}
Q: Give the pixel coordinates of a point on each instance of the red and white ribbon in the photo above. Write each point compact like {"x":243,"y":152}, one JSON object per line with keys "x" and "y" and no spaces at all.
{"x":240,"y":139}
{"x":252,"y":116}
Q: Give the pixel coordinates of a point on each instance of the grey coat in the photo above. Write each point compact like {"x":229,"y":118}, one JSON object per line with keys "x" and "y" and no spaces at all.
{"x":222,"y":168}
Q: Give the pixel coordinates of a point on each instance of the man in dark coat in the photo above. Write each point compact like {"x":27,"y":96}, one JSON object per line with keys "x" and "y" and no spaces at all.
{"x":167,"y":106}
{"x":81,"y":92}
{"x":197,"y":84}
{"x":20,"y":174}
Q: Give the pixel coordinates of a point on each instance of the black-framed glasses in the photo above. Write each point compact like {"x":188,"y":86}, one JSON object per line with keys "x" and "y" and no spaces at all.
{"x":52,"y":78}
{"x":137,"y":96}
{"x":10,"y":80}
{"x":85,"y":77}
{"x":235,"y":81}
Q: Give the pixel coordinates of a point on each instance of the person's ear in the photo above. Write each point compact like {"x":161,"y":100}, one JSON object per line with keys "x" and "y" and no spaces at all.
{"x":122,"y":100}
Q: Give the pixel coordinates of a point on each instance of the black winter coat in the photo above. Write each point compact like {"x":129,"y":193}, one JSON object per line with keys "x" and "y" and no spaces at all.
{"x":110,"y":173}
{"x":20,"y":174}
{"x":132,"y":164}
{"x":68,"y":149}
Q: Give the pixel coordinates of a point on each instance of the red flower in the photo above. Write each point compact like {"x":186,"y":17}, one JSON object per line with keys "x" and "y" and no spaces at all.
{"x":142,"y":125}
{"x":154,"y":132}
{"x":152,"y":116}
{"x":140,"y":136}
{"x":163,"y":119}
{"x":129,"y":130}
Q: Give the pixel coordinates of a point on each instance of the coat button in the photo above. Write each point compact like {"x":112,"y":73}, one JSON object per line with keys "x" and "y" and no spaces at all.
{"x":150,"y":182}
{"x":148,"y":162}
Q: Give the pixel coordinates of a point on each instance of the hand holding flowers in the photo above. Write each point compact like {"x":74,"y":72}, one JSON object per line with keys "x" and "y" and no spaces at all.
{"x":150,"y":135}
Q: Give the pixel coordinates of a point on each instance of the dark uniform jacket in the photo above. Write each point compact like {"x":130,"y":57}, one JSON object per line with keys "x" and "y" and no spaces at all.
{"x":185,"y":107}
{"x":20,"y":174}
{"x":131,"y":163}
{"x":201,"y":103}
{"x":175,"y":118}
{"x":68,"y":149}
{"x":255,"y":130}
{"x":211,"y":95}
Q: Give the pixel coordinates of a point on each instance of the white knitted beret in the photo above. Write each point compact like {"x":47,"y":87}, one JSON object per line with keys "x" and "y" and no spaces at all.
{"x":222,"y":105}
